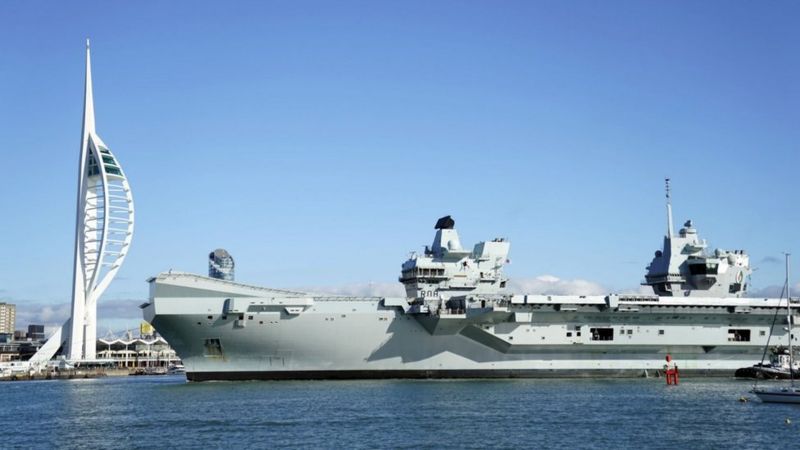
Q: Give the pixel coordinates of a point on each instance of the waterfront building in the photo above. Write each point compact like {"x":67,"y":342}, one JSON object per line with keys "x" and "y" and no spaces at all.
{"x":123,"y":353}
{"x":125,"y":350}
{"x":221,"y":265}
{"x":19,"y":348}
{"x":103,"y":232}
{"x":9,"y":351}
{"x":36,"y":332}
{"x":8,"y":317}
{"x":142,"y":352}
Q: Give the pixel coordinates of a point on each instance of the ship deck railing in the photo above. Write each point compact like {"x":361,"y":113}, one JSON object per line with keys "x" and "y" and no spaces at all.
{"x":333,"y":298}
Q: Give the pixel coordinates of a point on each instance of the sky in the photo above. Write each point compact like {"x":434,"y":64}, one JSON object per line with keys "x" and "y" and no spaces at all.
{"x":318,"y":142}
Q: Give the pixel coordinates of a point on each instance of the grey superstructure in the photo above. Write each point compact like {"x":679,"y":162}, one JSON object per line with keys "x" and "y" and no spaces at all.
{"x":684,"y":268}
{"x":458,"y":320}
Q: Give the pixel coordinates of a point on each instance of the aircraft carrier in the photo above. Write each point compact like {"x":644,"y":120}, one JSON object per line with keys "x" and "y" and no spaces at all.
{"x":459,"y":320}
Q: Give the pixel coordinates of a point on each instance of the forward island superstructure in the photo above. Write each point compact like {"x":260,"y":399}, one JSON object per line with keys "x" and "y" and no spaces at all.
{"x":459,"y":320}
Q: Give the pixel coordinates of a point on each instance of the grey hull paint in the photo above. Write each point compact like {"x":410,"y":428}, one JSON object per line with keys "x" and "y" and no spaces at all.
{"x":361,"y":347}
{"x":264,"y":334}
{"x":437,"y":374}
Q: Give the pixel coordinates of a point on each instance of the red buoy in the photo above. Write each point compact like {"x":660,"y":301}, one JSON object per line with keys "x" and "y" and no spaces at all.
{"x":671,"y":369}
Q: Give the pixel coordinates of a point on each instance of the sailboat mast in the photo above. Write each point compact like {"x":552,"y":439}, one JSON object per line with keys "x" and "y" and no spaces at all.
{"x":789,"y":321}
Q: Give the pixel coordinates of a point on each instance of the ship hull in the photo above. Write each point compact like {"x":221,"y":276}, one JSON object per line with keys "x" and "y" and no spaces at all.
{"x":234,"y":335}
{"x":366,"y":347}
{"x":438,"y":374}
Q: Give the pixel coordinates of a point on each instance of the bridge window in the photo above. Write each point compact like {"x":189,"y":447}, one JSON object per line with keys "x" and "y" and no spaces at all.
{"x":738,"y":335}
{"x":602,"y":334}
{"x":703,"y":269}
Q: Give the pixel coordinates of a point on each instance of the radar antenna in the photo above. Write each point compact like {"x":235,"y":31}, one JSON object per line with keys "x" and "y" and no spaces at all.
{"x":669,"y":209}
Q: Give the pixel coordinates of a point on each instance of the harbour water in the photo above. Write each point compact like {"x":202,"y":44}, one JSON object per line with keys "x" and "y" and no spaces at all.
{"x":166,"y":411}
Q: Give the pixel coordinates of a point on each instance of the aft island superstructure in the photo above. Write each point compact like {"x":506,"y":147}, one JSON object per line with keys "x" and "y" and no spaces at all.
{"x":459,"y":320}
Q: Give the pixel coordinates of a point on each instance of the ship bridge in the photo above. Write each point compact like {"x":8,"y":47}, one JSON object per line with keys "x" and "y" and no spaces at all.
{"x":445,"y":269}
{"x":685,"y":268}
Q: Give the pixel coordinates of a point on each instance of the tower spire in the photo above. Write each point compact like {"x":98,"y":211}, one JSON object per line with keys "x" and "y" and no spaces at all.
{"x":669,"y":209}
{"x":88,"y":98}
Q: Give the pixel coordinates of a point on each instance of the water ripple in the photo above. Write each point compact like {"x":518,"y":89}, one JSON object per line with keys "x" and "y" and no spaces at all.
{"x":157,"y":412}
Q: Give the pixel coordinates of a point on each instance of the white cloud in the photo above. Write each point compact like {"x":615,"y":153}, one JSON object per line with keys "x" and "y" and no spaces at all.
{"x":49,"y":315}
{"x":120,"y":309}
{"x":773,"y":291}
{"x":638,"y":290}
{"x":542,"y":284}
{"x":552,"y":285}
{"x":361,"y":290}
{"x":53,"y":316}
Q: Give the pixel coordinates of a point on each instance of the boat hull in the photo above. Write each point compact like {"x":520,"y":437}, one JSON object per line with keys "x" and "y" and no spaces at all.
{"x":765,"y":373}
{"x":778,"y":395}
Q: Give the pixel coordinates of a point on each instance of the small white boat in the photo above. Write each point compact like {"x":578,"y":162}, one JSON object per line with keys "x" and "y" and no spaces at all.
{"x":175,"y":369}
{"x":778,"y":395}
{"x":786,"y":394}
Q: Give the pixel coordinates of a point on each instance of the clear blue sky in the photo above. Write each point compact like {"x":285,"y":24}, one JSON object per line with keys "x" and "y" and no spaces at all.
{"x":319,"y":141}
